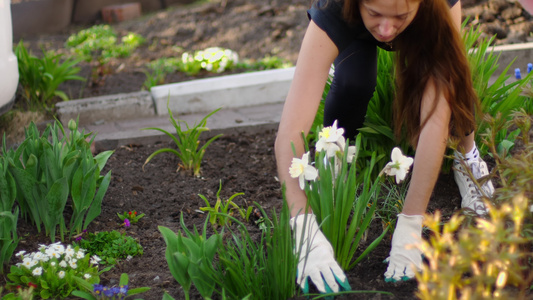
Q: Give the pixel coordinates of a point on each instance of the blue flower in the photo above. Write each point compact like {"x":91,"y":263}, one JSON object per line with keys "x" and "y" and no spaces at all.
{"x":98,"y":288}
{"x":123,"y":289}
{"x":108,"y":292}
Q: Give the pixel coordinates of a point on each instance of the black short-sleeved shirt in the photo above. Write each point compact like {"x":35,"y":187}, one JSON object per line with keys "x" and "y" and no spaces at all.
{"x":329,"y":18}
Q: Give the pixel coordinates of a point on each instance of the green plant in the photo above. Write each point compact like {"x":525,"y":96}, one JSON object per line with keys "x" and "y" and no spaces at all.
{"x":110,"y":246}
{"x":213,"y":59}
{"x":477,"y":262}
{"x":22,"y":294}
{"x":218,"y":214}
{"x":98,"y":291}
{"x":498,"y":98}
{"x":266,"y":63}
{"x":40,"y":77}
{"x":99,"y":42}
{"x":49,"y":168}
{"x":132,"y":216}
{"x":487,"y":258}
{"x":53,"y":270}
{"x":392,"y":204}
{"x":159,"y":69}
{"x":190,"y":258}
{"x":187,"y":142}
{"x":377,"y":132}
{"x":8,"y":217}
{"x":341,"y":199}
{"x":259,"y":268}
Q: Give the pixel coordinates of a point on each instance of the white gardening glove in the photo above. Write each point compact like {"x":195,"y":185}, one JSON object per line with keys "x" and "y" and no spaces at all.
{"x":316,"y":257}
{"x":404,"y":258}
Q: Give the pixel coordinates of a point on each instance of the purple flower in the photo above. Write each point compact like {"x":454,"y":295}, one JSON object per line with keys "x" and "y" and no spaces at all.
{"x":98,"y":288}
{"x":108,"y":292}
{"x":78,"y":238}
{"x":123,"y":289}
{"x":127,"y":223}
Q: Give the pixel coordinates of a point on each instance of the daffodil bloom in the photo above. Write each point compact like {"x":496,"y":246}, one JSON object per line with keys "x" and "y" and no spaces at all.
{"x":331,"y":140}
{"x":301,"y":169}
{"x":399,"y":165}
{"x":351,"y":154}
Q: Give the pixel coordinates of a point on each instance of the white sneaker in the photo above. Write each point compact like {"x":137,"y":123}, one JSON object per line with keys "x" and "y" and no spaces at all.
{"x":471,"y":195}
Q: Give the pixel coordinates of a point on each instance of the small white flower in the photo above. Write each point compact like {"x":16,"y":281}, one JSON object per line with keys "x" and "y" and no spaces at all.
{"x":399,"y":166}
{"x":301,"y":169}
{"x":63,"y":264}
{"x":80,"y":254}
{"x":95,"y":260}
{"x":38,"y":256}
{"x":28,"y":262}
{"x":53,"y":263}
{"x":59,"y":249}
{"x":37,"y":271}
{"x":69,"y":252}
{"x":73,"y":264}
{"x":52,"y":252}
{"x":20,"y":253}
{"x":61,"y":274}
{"x":87,"y":276}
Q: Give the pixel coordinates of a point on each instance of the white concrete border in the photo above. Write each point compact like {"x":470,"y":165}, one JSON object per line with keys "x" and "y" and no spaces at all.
{"x":239,"y":90}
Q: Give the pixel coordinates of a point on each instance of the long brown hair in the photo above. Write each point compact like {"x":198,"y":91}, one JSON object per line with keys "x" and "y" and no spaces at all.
{"x":430,"y":47}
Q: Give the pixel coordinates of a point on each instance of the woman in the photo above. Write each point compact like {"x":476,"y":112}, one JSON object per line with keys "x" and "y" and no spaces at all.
{"x":434,"y":100}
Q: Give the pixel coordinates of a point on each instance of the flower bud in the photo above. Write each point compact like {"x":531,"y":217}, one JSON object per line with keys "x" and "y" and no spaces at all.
{"x":72,"y":125}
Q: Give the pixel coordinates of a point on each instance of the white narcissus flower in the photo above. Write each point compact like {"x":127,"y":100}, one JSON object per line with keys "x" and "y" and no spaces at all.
{"x":399,"y":166}
{"x":351,"y":154}
{"x":301,"y":169}
{"x":331,"y":140}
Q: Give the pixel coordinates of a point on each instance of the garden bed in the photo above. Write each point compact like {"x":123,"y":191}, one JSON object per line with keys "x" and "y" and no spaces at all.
{"x":244,"y":163}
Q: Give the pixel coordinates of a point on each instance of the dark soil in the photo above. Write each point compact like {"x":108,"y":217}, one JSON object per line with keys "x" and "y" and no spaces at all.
{"x":243,"y":161}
